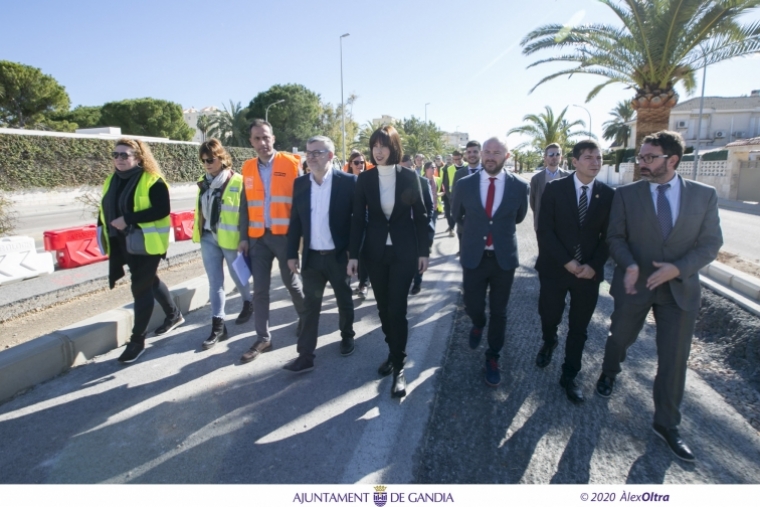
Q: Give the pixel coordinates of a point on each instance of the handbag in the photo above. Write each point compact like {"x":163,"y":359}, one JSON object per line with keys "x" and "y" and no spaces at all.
{"x":136,"y":241}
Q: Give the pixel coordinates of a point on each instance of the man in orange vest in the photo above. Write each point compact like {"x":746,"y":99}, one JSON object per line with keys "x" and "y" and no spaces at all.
{"x":264,"y":219}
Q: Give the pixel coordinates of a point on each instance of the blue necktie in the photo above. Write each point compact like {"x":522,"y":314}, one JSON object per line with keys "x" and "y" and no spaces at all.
{"x":664,"y":214}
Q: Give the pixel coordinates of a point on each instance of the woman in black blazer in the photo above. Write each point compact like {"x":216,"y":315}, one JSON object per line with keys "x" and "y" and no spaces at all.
{"x":395,"y":242}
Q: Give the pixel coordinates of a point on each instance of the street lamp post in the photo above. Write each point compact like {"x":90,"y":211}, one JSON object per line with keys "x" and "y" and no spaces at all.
{"x":589,"y":116}
{"x":342,"y":105}
{"x":426,"y":105}
{"x":266,"y":111}
{"x":695,"y":170}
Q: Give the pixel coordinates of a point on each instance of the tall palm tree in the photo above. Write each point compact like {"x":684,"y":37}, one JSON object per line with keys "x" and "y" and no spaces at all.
{"x":230,"y":126}
{"x":617,"y":129}
{"x":661,"y":43}
{"x":204,"y":124}
{"x":546,"y":128}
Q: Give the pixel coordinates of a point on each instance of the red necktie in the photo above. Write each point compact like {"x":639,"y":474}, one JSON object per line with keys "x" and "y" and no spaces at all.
{"x":489,"y":206}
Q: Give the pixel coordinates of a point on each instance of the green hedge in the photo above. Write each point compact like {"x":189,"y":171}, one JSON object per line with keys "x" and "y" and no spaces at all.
{"x":48,"y":162}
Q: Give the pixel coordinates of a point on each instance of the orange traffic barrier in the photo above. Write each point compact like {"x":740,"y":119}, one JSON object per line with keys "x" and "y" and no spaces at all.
{"x":182,"y":224}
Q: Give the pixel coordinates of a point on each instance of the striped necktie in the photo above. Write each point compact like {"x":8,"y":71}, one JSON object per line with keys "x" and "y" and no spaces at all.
{"x":582,"y":208}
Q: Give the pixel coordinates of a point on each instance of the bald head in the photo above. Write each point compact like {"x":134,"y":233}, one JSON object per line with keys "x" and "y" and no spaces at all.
{"x":494,"y":154}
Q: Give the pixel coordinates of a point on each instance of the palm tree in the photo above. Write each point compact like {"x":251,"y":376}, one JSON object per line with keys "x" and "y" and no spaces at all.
{"x":661,"y":43}
{"x":203,"y":124}
{"x":230,"y":126}
{"x":546,"y":128}
{"x":617,"y":129}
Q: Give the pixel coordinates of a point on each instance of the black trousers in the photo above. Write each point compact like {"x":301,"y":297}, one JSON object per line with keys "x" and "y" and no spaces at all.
{"x":584,"y":295}
{"x":319,"y":270}
{"x":447,"y":211}
{"x":390,"y":280}
{"x":488,"y":279}
{"x":363,"y":275}
{"x":146,"y":286}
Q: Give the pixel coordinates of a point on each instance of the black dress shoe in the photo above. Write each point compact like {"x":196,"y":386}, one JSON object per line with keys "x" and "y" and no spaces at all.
{"x":301,"y":364}
{"x":386,"y":368}
{"x":604,"y":386}
{"x":572,"y":389}
{"x":347,"y":346}
{"x":398,"y":389}
{"x":674,"y":441}
{"x":544,"y":356}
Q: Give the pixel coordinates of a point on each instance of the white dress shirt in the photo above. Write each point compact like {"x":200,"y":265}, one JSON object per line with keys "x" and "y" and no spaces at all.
{"x":321,"y":237}
{"x":499,"y":183}
{"x":673,"y":195}
{"x":578,"y":189}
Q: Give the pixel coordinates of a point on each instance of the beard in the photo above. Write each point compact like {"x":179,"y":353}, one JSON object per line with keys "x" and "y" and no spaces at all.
{"x":496,"y":170}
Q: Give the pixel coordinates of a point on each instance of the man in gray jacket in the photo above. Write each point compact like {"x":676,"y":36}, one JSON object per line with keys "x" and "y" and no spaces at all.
{"x":489,"y":204}
{"x":551,"y":172}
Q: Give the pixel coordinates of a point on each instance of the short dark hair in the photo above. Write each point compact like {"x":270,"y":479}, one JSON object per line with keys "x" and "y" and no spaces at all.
{"x":586,"y":144}
{"x":670,"y":142}
{"x":258,"y":122}
{"x":428,"y":165}
{"x":213,"y":148}
{"x":387,"y":136}
{"x":470,"y":144}
{"x":456,"y":153}
{"x":553,"y":145}
{"x":406,"y":158}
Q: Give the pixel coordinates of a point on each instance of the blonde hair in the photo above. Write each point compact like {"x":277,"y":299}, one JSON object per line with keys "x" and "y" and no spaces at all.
{"x":214,"y":148}
{"x":143,"y":154}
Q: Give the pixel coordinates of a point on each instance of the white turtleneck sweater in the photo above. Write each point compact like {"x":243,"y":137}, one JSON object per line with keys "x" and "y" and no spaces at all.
{"x":387,"y":176}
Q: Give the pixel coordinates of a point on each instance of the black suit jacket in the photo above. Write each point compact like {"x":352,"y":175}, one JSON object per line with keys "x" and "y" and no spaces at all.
{"x":560,"y":230}
{"x":408,"y":224}
{"x":341,"y":207}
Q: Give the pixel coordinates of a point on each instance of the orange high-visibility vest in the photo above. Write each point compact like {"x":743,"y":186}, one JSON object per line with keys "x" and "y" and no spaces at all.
{"x":284,"y":172}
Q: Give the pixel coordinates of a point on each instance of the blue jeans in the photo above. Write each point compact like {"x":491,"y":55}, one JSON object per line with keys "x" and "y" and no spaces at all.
{"x":213,"y":261}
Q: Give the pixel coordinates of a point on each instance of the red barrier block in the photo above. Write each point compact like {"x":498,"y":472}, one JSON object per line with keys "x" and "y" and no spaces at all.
{"x":182,"y":223}
{"x":57,"y":239}
{"x":74,"y":247}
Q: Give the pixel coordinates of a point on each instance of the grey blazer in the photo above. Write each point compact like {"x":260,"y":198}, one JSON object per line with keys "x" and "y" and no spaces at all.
{"x":537,"y":186}
{"x":634,"y":237}
{"x":468,"y":206}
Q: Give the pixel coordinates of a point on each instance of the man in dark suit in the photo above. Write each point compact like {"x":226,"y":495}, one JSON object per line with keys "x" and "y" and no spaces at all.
{"x":321,"y":215}
{"x":489,"y":203}
{"x":447,"y":183}
{"x":571,"y":254}
{"x":551,"y":172}
{"x":663,"y":230}
{"x":472,"y":155}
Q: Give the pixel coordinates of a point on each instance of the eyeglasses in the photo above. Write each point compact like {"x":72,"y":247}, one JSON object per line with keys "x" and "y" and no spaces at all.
{"x":358,"y":162}
{"x":648,"y":159}
{"x":208,"y":161}
{"x":316,"y":153}
{"x":120,"y":155}
{"x":553,"y":154}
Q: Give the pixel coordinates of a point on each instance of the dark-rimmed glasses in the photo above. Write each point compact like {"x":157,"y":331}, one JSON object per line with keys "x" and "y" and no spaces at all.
{"x":648,"y":159}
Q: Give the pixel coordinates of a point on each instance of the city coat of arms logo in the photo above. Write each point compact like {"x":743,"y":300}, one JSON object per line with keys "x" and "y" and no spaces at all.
{"x":380,"y":496}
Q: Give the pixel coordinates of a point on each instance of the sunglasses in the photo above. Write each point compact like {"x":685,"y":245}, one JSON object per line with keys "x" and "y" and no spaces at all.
{"x":120,"y":155}
{"x":358,"y":162}
{"x":553,"y":154}
{"x":208,"y":161}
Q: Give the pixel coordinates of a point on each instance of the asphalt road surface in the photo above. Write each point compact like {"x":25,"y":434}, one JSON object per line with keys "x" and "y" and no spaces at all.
{"x":183,"y":415}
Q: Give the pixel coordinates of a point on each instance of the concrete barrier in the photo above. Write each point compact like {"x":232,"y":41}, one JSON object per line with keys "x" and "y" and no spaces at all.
{"x":19,"y":259}
{"x":38,"y":360}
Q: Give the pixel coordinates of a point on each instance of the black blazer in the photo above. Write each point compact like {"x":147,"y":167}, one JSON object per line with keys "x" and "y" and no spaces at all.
{"x":341,"y":207}
{"x":560,"y":231}
{"x":408,"y":224}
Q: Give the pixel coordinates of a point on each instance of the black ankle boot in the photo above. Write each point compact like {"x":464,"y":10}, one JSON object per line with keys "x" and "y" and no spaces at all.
{"x":218,"y":333}
{"x":386,"y":368}
{"x":398,"y":389}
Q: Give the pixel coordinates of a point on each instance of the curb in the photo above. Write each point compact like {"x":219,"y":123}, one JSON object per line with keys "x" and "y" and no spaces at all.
{"x":43,"y":301}
{"x":739,"y":287}
{"x":28,"y":364}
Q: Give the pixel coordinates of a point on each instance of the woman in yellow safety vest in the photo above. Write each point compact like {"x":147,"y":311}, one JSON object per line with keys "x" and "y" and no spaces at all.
{"x":133,"y":229}
{"x":216,"y":229}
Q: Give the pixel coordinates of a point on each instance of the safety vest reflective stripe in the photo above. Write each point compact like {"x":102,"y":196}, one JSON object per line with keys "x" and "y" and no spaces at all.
{"x":231,"y":209}
{"x":284,"y":171}
{"x":160,"y":230}
{"x":228,"y":227}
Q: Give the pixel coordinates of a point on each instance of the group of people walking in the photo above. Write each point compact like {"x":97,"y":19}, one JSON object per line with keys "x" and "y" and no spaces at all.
{"x":331,"y":224}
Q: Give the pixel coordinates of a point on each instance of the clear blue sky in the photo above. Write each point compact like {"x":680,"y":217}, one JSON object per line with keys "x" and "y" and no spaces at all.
{"x":461,"y":57}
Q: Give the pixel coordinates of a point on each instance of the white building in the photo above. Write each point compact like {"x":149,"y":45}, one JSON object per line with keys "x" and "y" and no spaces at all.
{"x":191,"y":118}
{"x":724,"y":120}
{"x":456,"y":139}
{"x":383,"y":120}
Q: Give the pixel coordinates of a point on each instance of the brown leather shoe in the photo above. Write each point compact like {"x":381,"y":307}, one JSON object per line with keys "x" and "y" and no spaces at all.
{"x":258,"y":348}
